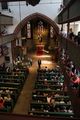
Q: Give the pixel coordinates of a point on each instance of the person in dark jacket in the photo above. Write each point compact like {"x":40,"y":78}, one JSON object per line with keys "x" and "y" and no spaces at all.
{"x":71,"y":34}
{"x":39,"y":63}
{"x":78,"y":38}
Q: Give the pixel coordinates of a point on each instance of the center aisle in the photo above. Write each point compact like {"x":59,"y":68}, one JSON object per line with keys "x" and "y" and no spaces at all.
{"x":23,"y":102}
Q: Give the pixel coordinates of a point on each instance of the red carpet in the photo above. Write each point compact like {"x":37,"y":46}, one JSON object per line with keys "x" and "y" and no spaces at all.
{"x":40,"y":49}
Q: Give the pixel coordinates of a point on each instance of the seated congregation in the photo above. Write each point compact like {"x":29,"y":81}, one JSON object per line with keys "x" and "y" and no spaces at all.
{"x":11,"y":84}
{"x":49,"y":96}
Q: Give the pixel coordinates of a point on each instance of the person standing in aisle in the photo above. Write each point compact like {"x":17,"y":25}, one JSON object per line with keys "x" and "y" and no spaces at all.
{"x":39,"y":63}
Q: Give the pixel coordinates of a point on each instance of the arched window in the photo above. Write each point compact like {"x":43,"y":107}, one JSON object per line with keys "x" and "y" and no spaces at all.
{"x":40,"y":30}
{"x":28,"y":30}
{"x":51,"y":32}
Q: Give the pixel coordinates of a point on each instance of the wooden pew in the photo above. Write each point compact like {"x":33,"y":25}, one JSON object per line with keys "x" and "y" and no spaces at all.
{"x":60,"y":114}
{"x":39,"y":104}
{"x":10,"y":84}
{"x":40,"y":97}
{"x":53,"y":87}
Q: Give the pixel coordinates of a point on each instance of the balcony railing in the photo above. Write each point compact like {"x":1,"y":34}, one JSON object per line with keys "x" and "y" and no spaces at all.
{"x":25,"y":117}
{"x":65,"y":2}
{"x":72,"y":48}
{"x":6,"y":20}
{"x":6,"y":39}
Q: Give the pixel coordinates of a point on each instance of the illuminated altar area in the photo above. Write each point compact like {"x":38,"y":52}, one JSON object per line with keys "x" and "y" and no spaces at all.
{"x":40,"y":36}
{"x":39,"y":49}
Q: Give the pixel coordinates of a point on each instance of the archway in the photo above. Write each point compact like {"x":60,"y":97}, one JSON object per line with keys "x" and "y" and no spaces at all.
{"x":32,"y":17}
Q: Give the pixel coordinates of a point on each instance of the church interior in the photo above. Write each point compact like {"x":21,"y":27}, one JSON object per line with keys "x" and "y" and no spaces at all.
{"x":40,"y":59}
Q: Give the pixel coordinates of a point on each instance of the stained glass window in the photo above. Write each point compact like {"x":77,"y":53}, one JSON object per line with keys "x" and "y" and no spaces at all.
{"x":51,"y":32}
{"x":28,"y":30}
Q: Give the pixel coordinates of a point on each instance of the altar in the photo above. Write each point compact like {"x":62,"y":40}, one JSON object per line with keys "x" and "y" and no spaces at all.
{"x":39,"y":49}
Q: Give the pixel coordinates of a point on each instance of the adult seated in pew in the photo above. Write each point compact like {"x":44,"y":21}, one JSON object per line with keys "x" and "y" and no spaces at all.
{"x":51,"y":101}
{"x":69,"y":110}
{"x":8,"y":101}
{"x":13,"y":94}
{"x":65,"y":109}
{"x":45,"y":82}
{"x":1,"y":91}
{"x":9,"y":88}
{"x":7,"y":98}
{"x":56,"y":95}
{"x":8,"y":91}
{"x":49,"y":97}
{"x":8,"y":71}
{"x":65,"y":90}
{"x":44,"y":94}
{"x":62,"y":101}
{"x":75,"y":81}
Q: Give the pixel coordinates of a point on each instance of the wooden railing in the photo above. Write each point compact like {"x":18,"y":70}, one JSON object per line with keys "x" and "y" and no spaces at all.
{"x":6,"y":38}
{"x":72,"y":49}
{"x":6,"y":20}
{"x":74,"y":93}
{"x":4,"y":116}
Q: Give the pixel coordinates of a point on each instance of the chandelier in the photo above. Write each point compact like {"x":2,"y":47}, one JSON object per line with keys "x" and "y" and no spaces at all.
{"x":33,"y":2}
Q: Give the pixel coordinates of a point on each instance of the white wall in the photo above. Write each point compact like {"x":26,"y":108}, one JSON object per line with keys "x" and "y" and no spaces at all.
{"x":46,"y":7}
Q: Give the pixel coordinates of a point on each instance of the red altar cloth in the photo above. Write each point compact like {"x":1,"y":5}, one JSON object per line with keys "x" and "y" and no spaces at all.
{"x":40,"y":49}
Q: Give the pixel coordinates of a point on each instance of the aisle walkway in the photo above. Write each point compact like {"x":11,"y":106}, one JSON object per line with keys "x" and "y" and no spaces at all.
{"x":22,"y":105}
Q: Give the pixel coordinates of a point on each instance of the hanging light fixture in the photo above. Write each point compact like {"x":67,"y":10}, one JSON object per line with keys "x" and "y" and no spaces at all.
{"x":33,"y":2}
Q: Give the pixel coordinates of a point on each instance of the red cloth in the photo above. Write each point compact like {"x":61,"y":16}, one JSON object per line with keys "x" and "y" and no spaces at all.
{"x":40,"y":49}
{"x":77,"y":80}
{"x":1,"y":104}
{"x":71,"y":74}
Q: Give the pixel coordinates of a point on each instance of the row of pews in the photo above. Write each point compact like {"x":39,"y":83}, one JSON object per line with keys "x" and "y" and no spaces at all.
{"x":11,"y":84}
{"x":49,"y":97}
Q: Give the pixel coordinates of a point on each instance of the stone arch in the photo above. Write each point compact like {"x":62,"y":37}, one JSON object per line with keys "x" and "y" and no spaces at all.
{"x":33,"y":16}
